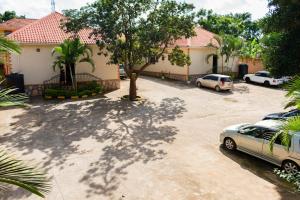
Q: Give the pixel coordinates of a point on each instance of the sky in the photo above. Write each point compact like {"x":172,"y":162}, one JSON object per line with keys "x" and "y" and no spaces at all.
{"x":40,"y":8}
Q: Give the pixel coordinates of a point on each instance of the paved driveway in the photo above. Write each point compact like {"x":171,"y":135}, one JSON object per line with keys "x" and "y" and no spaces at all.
{"x":166,"y":147}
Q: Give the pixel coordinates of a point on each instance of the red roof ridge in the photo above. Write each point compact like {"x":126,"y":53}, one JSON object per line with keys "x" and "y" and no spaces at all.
{"x":33,"y":23}
{"x":15,"y":23}
{"x":47,"y":30}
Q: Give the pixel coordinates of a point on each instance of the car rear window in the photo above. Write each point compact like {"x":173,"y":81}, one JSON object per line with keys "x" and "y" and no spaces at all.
{"x":226,"y":79}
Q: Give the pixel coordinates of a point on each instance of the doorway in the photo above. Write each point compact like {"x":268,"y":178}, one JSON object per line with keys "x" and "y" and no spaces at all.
{"x":215,"y":64}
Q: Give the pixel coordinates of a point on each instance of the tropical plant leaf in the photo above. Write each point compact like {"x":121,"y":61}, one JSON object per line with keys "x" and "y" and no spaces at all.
{"x":7,"y":45}
{"x":16,"y":172}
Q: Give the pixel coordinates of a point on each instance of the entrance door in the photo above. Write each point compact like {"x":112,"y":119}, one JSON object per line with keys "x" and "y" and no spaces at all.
{"x":215,"y":64}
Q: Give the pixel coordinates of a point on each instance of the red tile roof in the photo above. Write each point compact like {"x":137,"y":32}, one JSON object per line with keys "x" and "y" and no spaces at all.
{"x":202,"y":39}
{"x":47,"y":31}
{"x":15,"y":24}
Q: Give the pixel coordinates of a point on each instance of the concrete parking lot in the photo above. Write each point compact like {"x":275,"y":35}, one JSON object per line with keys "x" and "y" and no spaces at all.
{"x":165,"y":147}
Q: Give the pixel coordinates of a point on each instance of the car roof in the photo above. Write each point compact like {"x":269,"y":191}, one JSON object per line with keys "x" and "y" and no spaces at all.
{"x":271,"y":124}
{"x":219,"y":75}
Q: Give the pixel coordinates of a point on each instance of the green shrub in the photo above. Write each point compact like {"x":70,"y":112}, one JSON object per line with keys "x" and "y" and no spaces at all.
{"x":70,"y":93}
{"x":92,"y":86}
{"x":85,"y":92}
{"x":51,"y":92}
{"x":98,"y":89}
{"x":291,"y":178}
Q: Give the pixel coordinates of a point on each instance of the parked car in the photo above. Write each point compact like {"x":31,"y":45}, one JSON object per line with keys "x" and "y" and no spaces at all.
{"x":122,"y":71}
{"x":283,"y":115}
{"x":254,"y":139}
{"x":263,"y":77}
{"x":216,"y":81}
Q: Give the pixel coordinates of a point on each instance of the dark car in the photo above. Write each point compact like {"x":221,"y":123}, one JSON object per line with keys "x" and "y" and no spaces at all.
{"x":283,"y":115}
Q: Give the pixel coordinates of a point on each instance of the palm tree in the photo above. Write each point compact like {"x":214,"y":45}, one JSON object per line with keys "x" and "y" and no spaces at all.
{"x":6,"y":98}
{"x":226,"y":46}
{"x":15,"y":172}
{"x":292,"y":124}
{"x":8,"y":46}
{"x":69,"y":53}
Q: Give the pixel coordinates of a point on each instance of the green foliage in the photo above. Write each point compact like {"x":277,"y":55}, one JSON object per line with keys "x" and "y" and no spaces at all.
{"x":69,"y":53}
{"x":15,"y":172}
{"x":135,"y":32}
{"x":86,"y":89}
{"x":227,"y":46}
{"x":8,"y":99}
{"x":293,"y":94}
{"x":10,"y":46}
{"x":177,"y":57}
{"x":7,"y":15}
{"x":281,"y":43}
{"x":237,"y":25}
{"x":291,"y":178}
{"x":292,"y":124}
{"x":251,"y":49}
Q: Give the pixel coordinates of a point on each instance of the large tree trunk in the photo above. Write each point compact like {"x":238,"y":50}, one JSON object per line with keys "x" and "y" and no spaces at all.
{"x":132,"y":88}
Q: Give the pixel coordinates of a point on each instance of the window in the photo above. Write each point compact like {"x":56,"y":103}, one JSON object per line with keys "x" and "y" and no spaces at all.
{"x":252,"y":131}
{"x":269,"y":135}
{"x":207,"y":77}
{"x":226,"y":79}
{"x":292,"y":113}
{"x":214,"y":78}
{"x":265,"y":74}
{"x":258,"y":74}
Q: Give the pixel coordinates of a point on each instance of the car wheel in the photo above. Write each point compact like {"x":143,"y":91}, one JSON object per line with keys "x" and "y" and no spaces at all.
{"x":229,"y":144}
{"x":267,"y":83}
{"x":290,"y":167}
{"x":217,"y":88}
{"x":199,"y":84}
{"x":247,"y":80}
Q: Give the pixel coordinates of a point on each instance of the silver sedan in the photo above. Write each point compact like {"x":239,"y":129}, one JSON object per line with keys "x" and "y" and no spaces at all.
{"x":254,"y":139}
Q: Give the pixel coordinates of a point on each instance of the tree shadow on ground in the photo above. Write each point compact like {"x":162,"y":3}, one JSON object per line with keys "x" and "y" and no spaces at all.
{"x":261,"y":169}
{"x":127,"y":133}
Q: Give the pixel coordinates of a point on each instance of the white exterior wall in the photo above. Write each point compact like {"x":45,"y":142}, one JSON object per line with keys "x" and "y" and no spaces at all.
{"x":164,"y":66}
{"x":200,"y":66}
{"x":37,"y":66}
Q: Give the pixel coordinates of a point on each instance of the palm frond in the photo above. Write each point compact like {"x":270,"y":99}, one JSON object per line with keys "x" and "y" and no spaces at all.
{"x":7,"y":45}
{"x":16,"y":172}
{"x":209,"y":56}
{"x":286,"y":131}
{"x":8,"y":99}
{"x":90,"y":61}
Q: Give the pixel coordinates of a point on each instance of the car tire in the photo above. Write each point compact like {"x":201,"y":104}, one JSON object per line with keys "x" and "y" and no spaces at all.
{"x":229,"y":144}
{"x":247,"y":80}
{"x":217,"y":88}
{"x":290,"y":167}
{"x":267,"y":83}
{"x":199,"y":84}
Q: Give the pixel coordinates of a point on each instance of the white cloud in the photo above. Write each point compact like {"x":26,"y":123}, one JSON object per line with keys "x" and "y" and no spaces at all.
{"x":258,"y":8}
{"x":40,"y":8}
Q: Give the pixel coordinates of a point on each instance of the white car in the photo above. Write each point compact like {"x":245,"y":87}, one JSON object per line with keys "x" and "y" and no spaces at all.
{"x":254,"y":139}
{"x":215,"y":81}
{"x":263,"y":77}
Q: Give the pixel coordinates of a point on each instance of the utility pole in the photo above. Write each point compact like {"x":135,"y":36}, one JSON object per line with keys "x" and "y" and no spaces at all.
{"x":53,"y":5}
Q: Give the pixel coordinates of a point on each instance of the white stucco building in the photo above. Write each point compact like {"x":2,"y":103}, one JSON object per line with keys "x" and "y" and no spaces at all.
{"x":35,"y":61}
